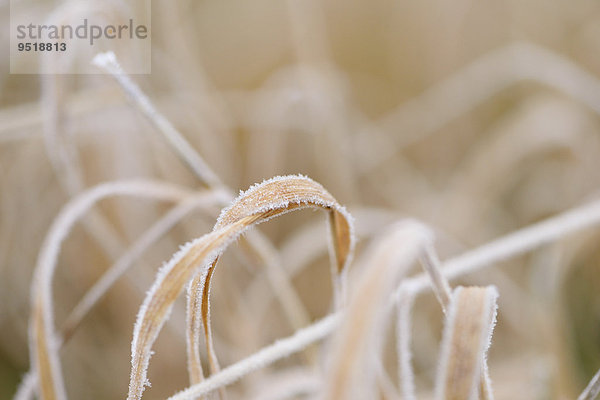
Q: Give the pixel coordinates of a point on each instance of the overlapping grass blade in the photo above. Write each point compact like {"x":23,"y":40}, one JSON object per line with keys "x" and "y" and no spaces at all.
{"x":260,"y":203}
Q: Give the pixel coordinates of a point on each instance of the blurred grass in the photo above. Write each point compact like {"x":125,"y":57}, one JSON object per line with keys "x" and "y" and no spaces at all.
{"x":256,"y":102}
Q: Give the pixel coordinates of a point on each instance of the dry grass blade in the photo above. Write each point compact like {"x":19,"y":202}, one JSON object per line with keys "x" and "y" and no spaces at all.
{"x":358,"y":338}
{"x":592,"y":390}
{"x":44,"y":342}
{"x":260,"y":203}
{"x":271,"y":198}
{"x":467,"y":336}
{"x":432,"y":265}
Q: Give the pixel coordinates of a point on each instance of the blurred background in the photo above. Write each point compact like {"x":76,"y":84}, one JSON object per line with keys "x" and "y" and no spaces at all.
{"x":477,"y":118}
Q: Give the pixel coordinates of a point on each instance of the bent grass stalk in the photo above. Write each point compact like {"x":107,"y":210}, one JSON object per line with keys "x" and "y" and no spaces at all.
{"x":44,"y":343}
{"x":99,"y":289}
{"x":260,"y":203}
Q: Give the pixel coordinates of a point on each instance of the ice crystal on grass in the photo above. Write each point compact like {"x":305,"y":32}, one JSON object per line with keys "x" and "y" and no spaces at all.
{"x":198,"y":258}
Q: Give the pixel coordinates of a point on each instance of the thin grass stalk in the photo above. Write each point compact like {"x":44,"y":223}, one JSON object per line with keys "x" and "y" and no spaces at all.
{"x":44,"y":341}
{"x":58,"y":139}
{"x":108,"y":62}
{"x":517,"y":243}
{"x":432,"y":266}
{"x":592,"y":389}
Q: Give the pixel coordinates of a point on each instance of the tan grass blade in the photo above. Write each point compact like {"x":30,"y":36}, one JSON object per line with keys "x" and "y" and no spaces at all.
{"x":432,"y":265}
{"x":271,"y":198}
{"x":467,"y":336}
{"x":260,"y":203}
{"x":44,"y":341}
{"x":357,"y":341}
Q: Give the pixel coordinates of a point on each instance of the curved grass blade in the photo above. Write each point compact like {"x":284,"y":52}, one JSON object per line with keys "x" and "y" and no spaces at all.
{"x":271,"y":198}
{"x":260,"y":203}
{"x":44,"y":341}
